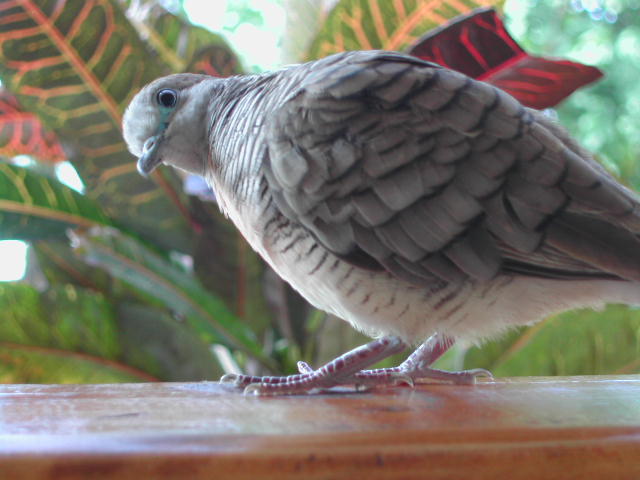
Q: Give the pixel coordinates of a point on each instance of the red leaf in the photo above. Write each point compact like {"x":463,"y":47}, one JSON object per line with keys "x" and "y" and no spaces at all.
{"x":539,"y":82}
{"x":478,"y":45}
{"x":22,"y":133}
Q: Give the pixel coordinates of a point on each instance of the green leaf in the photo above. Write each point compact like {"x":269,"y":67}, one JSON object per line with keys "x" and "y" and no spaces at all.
{"x":386,"y":25}
{"x":132,"y":262}
{"x":77,"y":65}
{"x":582,"y":342}
{"x":26,"y":364}
{"x":603,"y":117}
{"x":65,"y":334}
{"x":235,"y":274}
{"x":73,"y":326}
{"x":154,"y":342}
{"x":33,"y":206}
{"x":60,"y":265}
{"x":65,"y":318}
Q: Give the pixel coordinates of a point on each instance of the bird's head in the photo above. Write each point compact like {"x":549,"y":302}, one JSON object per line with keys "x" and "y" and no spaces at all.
{"x":166,"y":122}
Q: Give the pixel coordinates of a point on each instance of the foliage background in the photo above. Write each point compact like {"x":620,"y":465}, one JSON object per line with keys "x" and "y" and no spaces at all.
{"x":122,"y":285}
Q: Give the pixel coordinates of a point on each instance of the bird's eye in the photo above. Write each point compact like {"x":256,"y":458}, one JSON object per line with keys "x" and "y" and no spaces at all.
{"x":167,"y":98}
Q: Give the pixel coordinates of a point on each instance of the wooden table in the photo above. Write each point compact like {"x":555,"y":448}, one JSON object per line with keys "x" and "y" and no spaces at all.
{"x":539,"y":428}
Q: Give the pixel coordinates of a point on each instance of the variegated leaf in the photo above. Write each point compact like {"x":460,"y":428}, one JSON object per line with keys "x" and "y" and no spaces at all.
{"x":215,"y":60}
{"x":385,"y":24}
{"x":181,"y":45}
{"x":22,"y":133}
{"x":480,"y":46}
{"x":33,"y":206}
{"x":77,"y":65}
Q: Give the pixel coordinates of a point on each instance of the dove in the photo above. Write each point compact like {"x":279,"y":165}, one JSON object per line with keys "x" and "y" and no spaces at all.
{"x":419,"y":205}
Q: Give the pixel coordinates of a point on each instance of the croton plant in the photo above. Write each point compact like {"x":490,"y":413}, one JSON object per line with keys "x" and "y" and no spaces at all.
{"x":134,"y":279}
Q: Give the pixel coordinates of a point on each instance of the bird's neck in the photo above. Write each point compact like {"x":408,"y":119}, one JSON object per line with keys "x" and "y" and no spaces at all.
{"x":236,"y":149}
{"x":237,"y":139}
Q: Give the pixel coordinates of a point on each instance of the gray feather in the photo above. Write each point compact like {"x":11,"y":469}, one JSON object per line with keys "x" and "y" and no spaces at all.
{"x":435,"y":175}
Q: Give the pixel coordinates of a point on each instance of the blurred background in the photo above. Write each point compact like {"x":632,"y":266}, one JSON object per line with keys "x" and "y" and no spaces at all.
{"x":109,"y":277}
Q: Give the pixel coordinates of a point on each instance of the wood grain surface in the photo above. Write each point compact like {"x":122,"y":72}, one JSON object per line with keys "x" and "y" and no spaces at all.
{"x":533,"y":428}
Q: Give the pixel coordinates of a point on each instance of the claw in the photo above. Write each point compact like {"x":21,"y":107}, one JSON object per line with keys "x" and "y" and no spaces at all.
{"x":479,"y":373}
{"x":304,"y":367}
{"x":253,"y":389}
{"x":470,"y":377}
{"x":401,"y":378}
{"x":230,"y":378}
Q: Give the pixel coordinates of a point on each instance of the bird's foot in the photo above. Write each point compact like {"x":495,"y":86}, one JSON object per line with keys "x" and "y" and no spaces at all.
{"x":349,"y":369}
{"x":339,"y":371}
{"x":418,"y":367}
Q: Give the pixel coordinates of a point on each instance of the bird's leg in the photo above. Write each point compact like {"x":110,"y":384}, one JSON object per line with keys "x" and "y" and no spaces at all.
{"x":339,"y":371}
{"x":417,"y":366}
{"x":348,"y":369}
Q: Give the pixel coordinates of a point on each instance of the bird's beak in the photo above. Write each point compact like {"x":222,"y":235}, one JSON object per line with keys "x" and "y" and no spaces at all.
{"x":149,"y":159}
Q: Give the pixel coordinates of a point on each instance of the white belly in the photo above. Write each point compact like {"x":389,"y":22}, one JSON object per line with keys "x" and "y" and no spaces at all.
{"x":379,"y":304}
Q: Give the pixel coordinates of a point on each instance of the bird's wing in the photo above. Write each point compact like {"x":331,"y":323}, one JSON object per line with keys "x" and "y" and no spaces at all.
{"x":395,"y":163}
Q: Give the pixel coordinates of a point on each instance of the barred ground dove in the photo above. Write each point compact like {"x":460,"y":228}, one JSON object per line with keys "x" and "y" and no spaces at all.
{"x":414,"y":202}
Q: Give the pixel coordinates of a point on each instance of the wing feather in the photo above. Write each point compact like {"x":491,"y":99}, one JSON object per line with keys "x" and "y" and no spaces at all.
{"x":436,"y":177}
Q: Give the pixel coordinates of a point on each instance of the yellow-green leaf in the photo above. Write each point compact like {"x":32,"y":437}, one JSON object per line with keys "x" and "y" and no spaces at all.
{"x":581,"y":342}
